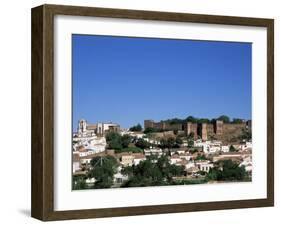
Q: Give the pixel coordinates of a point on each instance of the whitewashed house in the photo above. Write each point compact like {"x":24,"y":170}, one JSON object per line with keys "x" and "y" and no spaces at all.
{"x":224,"y":148}
{"x":204,"y":165}
{"x":175,"y":158}
{"x":153,"y":151}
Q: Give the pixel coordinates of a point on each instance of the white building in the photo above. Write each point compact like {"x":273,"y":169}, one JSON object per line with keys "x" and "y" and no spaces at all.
{"x":189,"y":165}
{"x":89,"y":145}
{"x":204,"y":165}
{"x":185,"y":156}
{"x":225,"y":148}
{"x":138,"y":157}
{"x":208,"y":146}
{"x":119,"y":178}
{"x":76,"y":163}
{"x":103,"y":128}
{"x":87,"y":159}
{"x":90,"y":180}
{"x":153,"y":151}
{"x":175,"y":158}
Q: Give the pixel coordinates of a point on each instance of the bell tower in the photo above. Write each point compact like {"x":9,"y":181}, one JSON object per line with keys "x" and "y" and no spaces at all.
{"x":82,"y":126}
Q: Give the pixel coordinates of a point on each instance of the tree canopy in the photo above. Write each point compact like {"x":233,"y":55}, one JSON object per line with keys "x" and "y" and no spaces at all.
{"x":224,"y":118}
{"x":151,"y":172}
{"x":79,"y":183}
{"x":237,"y":120}
{"x":117,"y":142}
{"x":143,"y":144}
{"x":136,"y":128}
{"x":227,"y":170}
{"x":103,"y":169}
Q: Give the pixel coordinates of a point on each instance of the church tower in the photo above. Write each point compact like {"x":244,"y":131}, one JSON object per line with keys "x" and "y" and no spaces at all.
{"x":82,"y":126}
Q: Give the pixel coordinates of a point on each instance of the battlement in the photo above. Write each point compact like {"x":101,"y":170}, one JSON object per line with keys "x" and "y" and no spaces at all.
{"x":217,"y":129}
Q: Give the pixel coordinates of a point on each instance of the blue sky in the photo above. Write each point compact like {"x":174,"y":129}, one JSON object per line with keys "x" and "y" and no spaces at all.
{"x":126,"y":80}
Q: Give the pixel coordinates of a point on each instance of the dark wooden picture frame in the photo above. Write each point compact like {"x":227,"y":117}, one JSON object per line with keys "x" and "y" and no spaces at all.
{"x":43,"y":112}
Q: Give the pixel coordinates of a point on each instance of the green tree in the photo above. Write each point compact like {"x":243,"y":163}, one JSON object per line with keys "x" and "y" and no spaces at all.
{"x":130,"y":149}
{"x":174,"y":121}
{"x":201,"y":157}
{"x":170,"y":142}
{"x":203,"y":120}
{"x":136,"y":128}
{"x":126,"y":140}
{"x":117,"y":142}
{"x":224,"y":118}
{"x":232,"y":149}
{"x":79,"y":183}
{"x":114,"y":141}
{"x":190,"y":140}
{"x":152,"y":130}
{"x":191,"y":119}
{"x":128,"y":171}
{"x":179,"y":140}
{"x":227,"y":170}
{"x":237,"y":120}
{"x":103,"y":169}
{"x":151,"y":172}
{"x":143,"y":144}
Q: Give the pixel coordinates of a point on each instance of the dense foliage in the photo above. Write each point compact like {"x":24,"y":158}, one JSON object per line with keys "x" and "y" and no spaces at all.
{"x":152,"y":172}
{"x":118,"y":142}
{"x":143,"y":144}
{"x":78,"y":183}
{"x":153,"y":130}
{"x":224,"y":118}
{"x":103,"y":169}
{"x":136,"y":128}
{"x":227,"y":170}
{"x":170,"y":142}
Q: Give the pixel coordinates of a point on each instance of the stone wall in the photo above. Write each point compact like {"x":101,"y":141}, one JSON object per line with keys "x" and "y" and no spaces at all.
{"x":225,"y":132}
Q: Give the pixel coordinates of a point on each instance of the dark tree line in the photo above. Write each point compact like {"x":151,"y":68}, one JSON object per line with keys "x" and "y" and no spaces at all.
{"x":224,"y":118}
{"x":228,"y":170}
{"x":152,"y":172}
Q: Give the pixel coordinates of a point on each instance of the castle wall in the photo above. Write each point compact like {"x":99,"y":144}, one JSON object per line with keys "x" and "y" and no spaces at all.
{"x":233,"y":128}
{"x":162,"y":125}
{"x":218,"y":129}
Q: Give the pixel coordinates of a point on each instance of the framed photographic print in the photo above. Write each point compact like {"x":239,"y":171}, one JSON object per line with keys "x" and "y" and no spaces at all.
{"x":141,"y":112}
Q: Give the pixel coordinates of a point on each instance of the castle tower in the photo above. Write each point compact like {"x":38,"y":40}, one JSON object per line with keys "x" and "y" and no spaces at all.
{"x":203,"y":131}
{"x":148,"y":124}
{"x":82,"y":126}
{"x":218,"y":126}
{"x":189,"y":128}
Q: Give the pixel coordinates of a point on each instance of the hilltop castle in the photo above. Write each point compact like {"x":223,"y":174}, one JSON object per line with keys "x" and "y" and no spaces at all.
{"x":217,"y":129}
